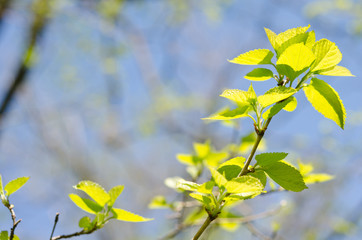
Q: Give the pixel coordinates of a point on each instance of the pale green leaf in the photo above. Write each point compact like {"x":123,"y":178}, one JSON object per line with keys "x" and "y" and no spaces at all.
{"x":241,"y":98}
{"x":295,"y":60}
{"x":114,"y":194}
{"x":194,"y":216}
{"x":204,"y":199}
{"x":327,"y":55}
{"x":336,"y":71}
{"x":94,"y":190}
{"x":277,"y":107}
{"x":254,"y":57}
{"x":231,"y":168}
{"x":188,"y":159}
{"x":259,"y":74}
{"x":219,"y":179}
{"x":326,"y":101}
{"x":245,"y":186}
{"x":275,"y":95}
{"x":202,"y":149}
{"x":304,"y":169}
{"x":171,"y":182}
{"x":286,"y":176}
{"x":158,"y":202}
{"x":124,"y":215}
{"x":265,"y":159}
{"x":214,"y":158}
{"x":206,"y":187}
{"x":291,"y":105}
{"x":227,"y":114}
{"x":85,"y":222}
{"x":85,"y":204}
{"x":271,"y":36}
{"x":4,"y":235}
{"x":307,"y":38}
{"x":289,"y":34}
{"x":317,"y":177}
{"x":259,"y":174}
{"x":15,"y":185}
{"x":187,"y":185}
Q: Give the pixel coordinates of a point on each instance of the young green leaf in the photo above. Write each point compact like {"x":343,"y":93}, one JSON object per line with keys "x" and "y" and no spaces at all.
{"x":241,"y":98}
{"x":188,"y":159}
{"x":85,"y":204}
{"x":286,"y":176}
{"x":158,"y":202}
{"x":231,"y":168}
{"x":259,"y":174}
{"x":326,"y":101}
{"x":291,"y":105}
{"x":317,"y":178}
{"x":295,"y":60}
{"x":95,"y":191}
{"x":255,"y":57}
{"x":206,"y":187}
{"x":327,"y":55}
{"x":277,"y":107}
{"x":336,"y":71}
{"x":15,"y":185}
{"x":289,"y":34}
{"x":85,"y":223}
{"x":265,"y":159}
{"x":114,"y":194}
{"x":4,"y":235}
{"x":124,"y":215}
{"x":202,"y":149}
{"x":259,"y":74}
{"x":219,"y":179}
{"x":214,"y":158}
{"x":194,"y":216}
{"x":245,"y":186}
{"x":304,"y":169}
{"x":205,"y":200}
{"x":187,"y":185}
{"x":275,"y":95}
{"x":271,"y":36}
{"x":227,"y":114}
{"x":307,"y":38}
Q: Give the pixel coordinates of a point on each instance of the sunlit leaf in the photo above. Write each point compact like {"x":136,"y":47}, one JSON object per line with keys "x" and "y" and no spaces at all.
{"x":241,"y":98}
{"x":304,"y":169}
{"x":187,"y":185}
{"x":254,"y":57}
{"x":295,"y":60}
{"x":85,"y":204}
{"x":206,"y":187}
{"x":278,"y":107}
{"x":95,"y":191}
{"x":188,"y":159}
{"x":114,"y":194}
{"x":259,"y":174}
{"x":336,"y":71}
{"x":265,"y":159}
{"x":231,"y":168}
{"x":14,"y":185}
{"x":327,"y":55}
{"x":291,"y":105}
{"x":4,"y":235}
{"x":245,"y":186}
{"x":202,"y":149}
{"x":259,"y":74}
{"x":275,"y":95}
{"x":285,"y":175}
{"x":317,"y":178}
{"x":271,"y":36}
{"x":326,"y":101}
{"x":158,"y":202}
{"x":219,"y":179}
{"x":124,"y":215}
{"x":227,"y":114}
{"x":85,"y":222}
{"x":289,"y":34}
{"x":306,"y":38}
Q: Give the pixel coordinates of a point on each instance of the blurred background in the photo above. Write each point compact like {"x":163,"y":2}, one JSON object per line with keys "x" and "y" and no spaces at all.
{"x":112,"y":90}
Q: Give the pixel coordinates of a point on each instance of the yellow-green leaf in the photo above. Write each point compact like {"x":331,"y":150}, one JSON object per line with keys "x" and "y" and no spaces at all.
{"x":291,"y":105}
{"x":271,"y":36}
{"x":275,"y":95}
{"x":336,"y":71}
{"x":219,"y":179}
{"x":240,"y":97}
{"x":231,"y":168}
{"x":289,"y":34}
{"x":254,"y":57}
{"x":317,"y":177}
{"x":327,"y":55}
{"x":158,"y":202}
{"x":85,"y":204}
{"x":277,"y":107}
{"x":245,"y":186}
{"x":124,"y":215}
{"x":307,"y":38}
{"x":259,"y":74}
{"x":326,"y":101}
{"x":202,"y":149}
{"x":304,"y":169}
{"x":228,"y":114}
{"x":114,"y":194}
{"x":95,"y":191}
{"x":188,"y":159}
{"x":14,"y":185}
{"x":295,"y":60}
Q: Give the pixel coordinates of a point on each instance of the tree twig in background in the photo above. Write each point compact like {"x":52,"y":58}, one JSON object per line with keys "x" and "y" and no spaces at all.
{"x":15,"y":222}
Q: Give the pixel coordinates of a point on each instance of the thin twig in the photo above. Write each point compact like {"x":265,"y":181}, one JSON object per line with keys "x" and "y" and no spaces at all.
{"x":83,"y":232}
{"x":55,"y":224}
{"x":13,"y":217}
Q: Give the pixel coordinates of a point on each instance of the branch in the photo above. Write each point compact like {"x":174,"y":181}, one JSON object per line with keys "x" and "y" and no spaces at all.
{"x":13,"y":217}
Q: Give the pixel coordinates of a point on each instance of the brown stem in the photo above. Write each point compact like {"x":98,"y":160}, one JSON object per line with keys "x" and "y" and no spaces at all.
{"x":15,"y":223}
{"x":83,"y":232}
